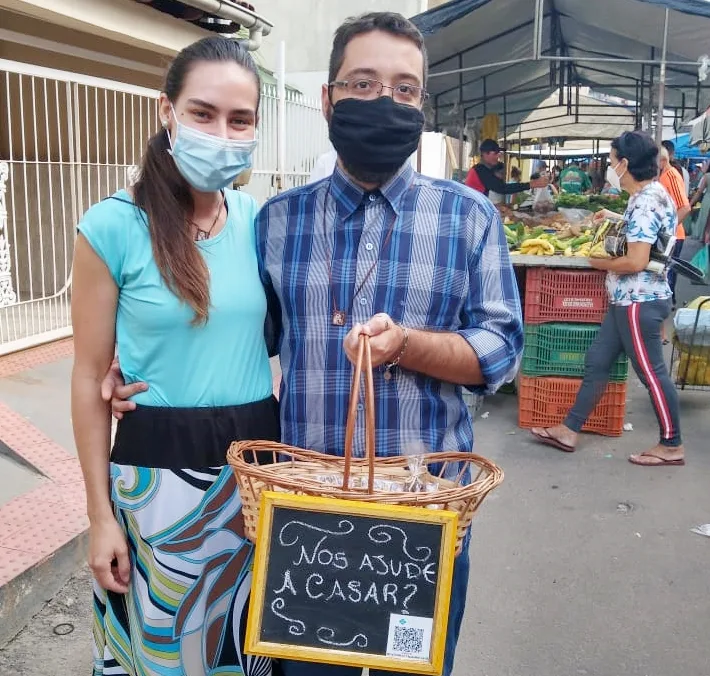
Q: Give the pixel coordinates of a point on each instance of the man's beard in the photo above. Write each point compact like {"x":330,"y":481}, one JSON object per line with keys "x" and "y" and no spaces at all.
{"x":367,"y":175}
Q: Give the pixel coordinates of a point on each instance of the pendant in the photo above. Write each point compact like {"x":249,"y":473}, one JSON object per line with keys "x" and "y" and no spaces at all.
{"x":387,"y":375}
{"x":339,"y":318}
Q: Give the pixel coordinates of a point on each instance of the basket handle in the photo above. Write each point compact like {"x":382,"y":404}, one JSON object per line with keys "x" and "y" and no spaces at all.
{"x":364,"y":359}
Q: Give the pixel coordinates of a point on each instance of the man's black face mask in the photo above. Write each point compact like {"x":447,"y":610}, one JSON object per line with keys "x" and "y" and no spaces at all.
{"x":374,"y":138}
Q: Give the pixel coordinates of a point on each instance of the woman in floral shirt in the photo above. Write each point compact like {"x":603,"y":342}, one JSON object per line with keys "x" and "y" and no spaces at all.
{"x":640,"y":301}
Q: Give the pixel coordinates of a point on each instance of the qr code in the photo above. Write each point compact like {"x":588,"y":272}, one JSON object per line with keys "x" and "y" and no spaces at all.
{"x":408,"y":640}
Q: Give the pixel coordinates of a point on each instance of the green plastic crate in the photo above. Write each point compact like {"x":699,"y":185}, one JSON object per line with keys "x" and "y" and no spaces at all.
{"x":559,"y":350}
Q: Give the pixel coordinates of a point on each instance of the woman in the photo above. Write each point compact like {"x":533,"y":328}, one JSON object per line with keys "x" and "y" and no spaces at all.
{"x":169,"y":271}
{"x":640,"y":301}
{"x":700,"y":227}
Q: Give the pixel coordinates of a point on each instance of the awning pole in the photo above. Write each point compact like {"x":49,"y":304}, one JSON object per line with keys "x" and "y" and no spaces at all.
{"x":662,"y":82}
{"x":537,"y":29}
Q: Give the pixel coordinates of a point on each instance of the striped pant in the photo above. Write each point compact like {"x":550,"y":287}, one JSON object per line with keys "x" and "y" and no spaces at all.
{"x":636,"y":330}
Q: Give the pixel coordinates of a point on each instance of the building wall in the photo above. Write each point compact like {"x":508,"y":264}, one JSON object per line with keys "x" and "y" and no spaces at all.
{"x":307,"y":27}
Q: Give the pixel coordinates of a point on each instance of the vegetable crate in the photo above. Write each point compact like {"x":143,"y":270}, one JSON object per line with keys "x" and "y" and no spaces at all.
{"x":559,"y":350}
{"x":690,"y":358}
{"x":544,"y":402}
{"x":554,"y":295}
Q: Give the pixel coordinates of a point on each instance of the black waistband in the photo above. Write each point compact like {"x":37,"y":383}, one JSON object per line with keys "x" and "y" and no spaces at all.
{"x":191,"y":438}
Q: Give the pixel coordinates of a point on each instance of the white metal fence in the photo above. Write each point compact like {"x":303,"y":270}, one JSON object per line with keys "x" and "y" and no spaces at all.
{"x":68,"y":141}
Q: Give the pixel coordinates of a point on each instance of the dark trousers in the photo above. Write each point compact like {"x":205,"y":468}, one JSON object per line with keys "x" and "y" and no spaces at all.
{"x":636,"y":330}
{"x":672,"y":276}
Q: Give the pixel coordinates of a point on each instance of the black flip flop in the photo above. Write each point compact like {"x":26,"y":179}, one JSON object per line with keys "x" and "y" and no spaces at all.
{"x":555,"y":443}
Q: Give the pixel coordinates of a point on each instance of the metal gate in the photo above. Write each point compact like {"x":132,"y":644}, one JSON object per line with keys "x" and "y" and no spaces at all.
{"x":66,"y":142}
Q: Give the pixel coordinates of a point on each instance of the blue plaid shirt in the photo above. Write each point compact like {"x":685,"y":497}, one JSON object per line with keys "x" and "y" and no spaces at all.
{"x":445,"y":268}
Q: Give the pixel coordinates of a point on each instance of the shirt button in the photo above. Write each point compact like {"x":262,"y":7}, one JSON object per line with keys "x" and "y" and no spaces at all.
{"x":369,"y":246}
{"x":373,"y":198}
{"x":363,"y":301}
{"x":360,"y":407}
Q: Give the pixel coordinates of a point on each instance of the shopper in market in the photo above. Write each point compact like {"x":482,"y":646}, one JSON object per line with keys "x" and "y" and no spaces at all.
{"x":685,"y":175}
{"x":672,"y":181}
{"x":498,"y":172}
{"x":433,"y":327}
{"x":482,"y":178}
{"x":639,"y":302}
{"x":574,"y":180}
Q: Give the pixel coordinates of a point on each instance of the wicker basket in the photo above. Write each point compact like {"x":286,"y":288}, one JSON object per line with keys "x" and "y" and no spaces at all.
{"x":294,"y":470}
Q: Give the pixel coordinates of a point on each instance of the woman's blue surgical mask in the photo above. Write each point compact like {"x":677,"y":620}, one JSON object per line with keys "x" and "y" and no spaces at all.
{"x":207,"y":162}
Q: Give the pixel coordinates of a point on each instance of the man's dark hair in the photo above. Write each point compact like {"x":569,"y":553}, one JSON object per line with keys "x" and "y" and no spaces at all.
{"x":387,"y":22}
{"x":641,"y":152}
{"x":669,"y":146}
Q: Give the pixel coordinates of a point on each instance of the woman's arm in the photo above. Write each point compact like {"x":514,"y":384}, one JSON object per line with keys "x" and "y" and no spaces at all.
{"x":637,"y":257}
{"x":94,"y":301}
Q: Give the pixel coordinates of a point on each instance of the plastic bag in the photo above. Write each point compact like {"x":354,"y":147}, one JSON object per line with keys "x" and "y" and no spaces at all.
{"x":542,"y":201}
{"x":701,"y":260}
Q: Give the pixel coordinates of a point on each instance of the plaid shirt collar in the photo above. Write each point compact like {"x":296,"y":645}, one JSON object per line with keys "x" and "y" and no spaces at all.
{"x":348,"y":195}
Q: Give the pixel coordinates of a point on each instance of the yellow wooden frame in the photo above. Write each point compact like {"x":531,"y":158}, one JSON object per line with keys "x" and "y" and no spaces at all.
{"x":448,"y":520}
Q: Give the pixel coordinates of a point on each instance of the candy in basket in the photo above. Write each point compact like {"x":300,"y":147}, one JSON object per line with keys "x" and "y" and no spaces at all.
{"x":450,"y":480}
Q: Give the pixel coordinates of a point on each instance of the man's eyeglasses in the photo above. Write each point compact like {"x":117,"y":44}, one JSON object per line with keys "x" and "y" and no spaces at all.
{"x":404,"y":92}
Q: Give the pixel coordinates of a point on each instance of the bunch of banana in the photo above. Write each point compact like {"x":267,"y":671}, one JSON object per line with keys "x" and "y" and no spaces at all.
{"x":537,"y":247}
{"x":583,"y":251}
{"x":598,"y":251}
{"x":601,"y":232}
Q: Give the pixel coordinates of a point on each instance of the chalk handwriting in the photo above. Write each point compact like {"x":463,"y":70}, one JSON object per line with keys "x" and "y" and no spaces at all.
{"x":296,"y":627}
{"x":288,"y":584}
{"x":346,"y":527}
{"x":326,"y":635}
{"x":324,"y":556}
{"x":379,"y":535}
{"x":414,"y":589}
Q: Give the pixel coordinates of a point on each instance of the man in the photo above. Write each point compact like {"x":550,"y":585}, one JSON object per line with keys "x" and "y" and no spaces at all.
{"x":670,"y":147}
{"x":672,"y":181}
{"x":483,"y":179}
{"x":418,"y":264}
{"x":574,"y":180}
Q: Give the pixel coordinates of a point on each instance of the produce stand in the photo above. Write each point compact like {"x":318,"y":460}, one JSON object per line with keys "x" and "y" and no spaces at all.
{"x":690,"y":357}
{"x":550,"y":262}
{"x":564,"y":301}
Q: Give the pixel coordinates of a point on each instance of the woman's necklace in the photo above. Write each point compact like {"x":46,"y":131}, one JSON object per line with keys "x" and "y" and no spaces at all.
{"x":201,"y":234}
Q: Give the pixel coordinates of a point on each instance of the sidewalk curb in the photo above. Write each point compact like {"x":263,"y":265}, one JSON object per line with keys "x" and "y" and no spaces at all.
{"x":26,"y":594}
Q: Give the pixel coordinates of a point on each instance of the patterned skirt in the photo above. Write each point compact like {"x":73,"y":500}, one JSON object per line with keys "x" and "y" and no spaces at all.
{"x":185,"y":611}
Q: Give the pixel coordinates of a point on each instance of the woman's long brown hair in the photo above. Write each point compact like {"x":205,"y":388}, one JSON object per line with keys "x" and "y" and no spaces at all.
{"x":164,"y":195}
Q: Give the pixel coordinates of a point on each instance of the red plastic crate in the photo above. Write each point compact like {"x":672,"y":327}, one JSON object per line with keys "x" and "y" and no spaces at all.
{"x":553,"y":295}
{"x":544,"y":402}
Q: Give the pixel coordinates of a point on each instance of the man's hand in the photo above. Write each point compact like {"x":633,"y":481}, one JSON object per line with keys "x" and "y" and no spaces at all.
{"x":539,"y":182}
{"x":115,"y":390}
{"x":386,"y":339}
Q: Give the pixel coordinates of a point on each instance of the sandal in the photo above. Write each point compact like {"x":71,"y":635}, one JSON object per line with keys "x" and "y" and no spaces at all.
{"x":662,"y":462}
{"x":551,"y":441}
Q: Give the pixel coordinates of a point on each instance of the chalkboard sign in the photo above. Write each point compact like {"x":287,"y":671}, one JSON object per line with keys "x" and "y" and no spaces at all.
{"x":353,"y":583}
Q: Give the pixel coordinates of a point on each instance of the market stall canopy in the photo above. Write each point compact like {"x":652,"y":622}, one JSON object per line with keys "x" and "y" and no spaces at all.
{"x":684,"y":150}
{"x":488,"y":56}
{"x":585,"y":118}
{"x":700,"y":129}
